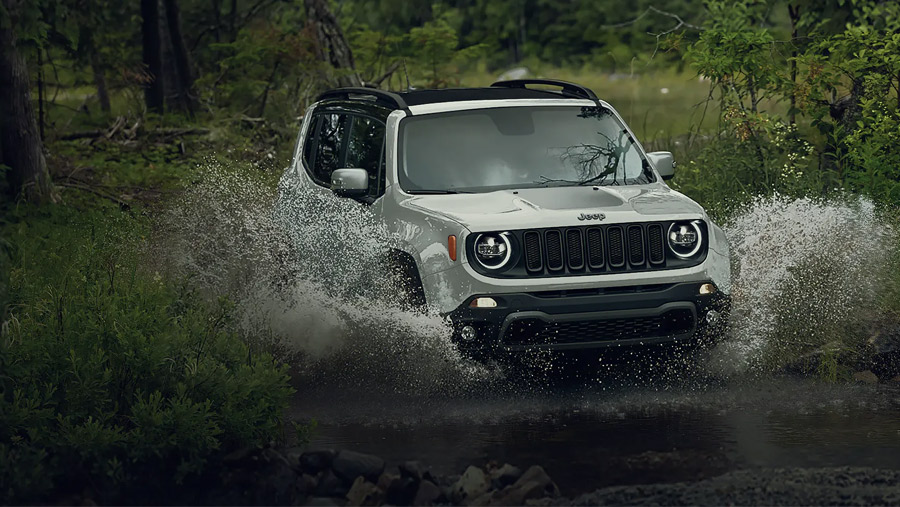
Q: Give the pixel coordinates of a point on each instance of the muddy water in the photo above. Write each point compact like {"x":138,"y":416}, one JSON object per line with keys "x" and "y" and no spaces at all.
{"x":306,"y":281}
{"x":587,"y":437}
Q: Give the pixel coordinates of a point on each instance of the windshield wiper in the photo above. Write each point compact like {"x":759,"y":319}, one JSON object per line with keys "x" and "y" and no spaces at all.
{"x":545,"y":181}
{"x":437,"y":192}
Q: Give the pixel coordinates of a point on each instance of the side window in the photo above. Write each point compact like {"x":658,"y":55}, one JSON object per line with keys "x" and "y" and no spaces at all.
{"x":309,"y":144}
{"x":365,"y":150}
{"x":330,"y":136}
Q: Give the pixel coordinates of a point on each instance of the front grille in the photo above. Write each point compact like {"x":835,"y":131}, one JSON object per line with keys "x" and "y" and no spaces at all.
{"x":537,"y":332}
{"x":591,"y":249}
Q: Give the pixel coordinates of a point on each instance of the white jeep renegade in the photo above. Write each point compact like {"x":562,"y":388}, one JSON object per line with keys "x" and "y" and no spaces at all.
{"x":531,"y":217}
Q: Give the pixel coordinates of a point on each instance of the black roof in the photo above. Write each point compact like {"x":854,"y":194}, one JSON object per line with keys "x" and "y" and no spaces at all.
{"x":517,"y":89}
{"x":419,"y":97}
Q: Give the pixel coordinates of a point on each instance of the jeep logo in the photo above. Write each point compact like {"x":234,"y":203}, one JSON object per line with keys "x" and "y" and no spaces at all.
{"x":591,"y":216}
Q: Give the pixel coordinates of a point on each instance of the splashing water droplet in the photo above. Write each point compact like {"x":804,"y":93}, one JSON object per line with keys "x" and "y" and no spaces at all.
{"x":805,"y":272}
{"x":308,"y":273}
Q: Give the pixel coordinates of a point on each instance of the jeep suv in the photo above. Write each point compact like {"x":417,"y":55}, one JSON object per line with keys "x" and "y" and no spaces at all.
{"x":527,"y":212}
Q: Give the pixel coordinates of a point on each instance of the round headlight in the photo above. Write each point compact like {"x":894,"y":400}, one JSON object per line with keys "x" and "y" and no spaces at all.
{"x":493,"y":250}
{"x":685,"y":238}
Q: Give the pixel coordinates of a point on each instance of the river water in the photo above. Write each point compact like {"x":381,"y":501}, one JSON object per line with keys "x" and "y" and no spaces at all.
{"x":305,"y":280}
{"x":588,"y":437}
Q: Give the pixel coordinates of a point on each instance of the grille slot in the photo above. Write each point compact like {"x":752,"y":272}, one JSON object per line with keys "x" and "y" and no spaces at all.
{"x":574,"y":249}
{"x":656,"y":242}
{"x":595,"y":248}
{"x":615,"y":238}
{"x":554,"y":250}
{"x":533,"y":257}
{"x":635,"y":245}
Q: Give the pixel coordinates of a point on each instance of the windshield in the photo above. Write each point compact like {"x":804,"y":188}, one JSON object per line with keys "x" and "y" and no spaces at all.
{"x":518,"y":147}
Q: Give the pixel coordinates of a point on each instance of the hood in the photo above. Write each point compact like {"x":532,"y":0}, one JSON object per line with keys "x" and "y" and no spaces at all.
{"x":557,"y":206}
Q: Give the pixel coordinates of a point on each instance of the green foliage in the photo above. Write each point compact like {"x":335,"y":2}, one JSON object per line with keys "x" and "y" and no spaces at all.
{"x":428,"y":55}
{"x":737,"y":54}
{"x":753,"y":155}
{"x":846,"y":88}
{"x":873,"y":151}
{"x":113,"y":377}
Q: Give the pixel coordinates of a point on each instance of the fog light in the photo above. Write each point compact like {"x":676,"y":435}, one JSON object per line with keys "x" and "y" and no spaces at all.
{"x":468,"y":333}
{"x":707,"y":289}
{"x":483,"y":303}
{"x":712,"y":317}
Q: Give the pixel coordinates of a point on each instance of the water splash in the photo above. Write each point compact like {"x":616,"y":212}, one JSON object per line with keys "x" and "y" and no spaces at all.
{"x":307,"y":273}
{"x":307,"y":269}
{"x":806,"y":274}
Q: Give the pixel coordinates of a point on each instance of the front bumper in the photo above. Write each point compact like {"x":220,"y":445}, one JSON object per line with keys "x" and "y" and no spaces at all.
{"x":592,"y":318}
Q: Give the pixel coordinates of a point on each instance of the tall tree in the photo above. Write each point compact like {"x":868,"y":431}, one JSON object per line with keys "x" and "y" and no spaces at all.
{"x":331,"y":46}
{"x":19,"y":137}
{"x":154,"y":91}
{"x":183,"y":67}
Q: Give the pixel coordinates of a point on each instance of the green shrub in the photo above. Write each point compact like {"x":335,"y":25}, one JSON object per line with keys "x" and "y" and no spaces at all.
{"x":112,"y":378}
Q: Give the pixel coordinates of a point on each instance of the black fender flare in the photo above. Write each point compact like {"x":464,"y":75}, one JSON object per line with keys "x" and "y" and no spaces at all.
{"x":406,"y":275}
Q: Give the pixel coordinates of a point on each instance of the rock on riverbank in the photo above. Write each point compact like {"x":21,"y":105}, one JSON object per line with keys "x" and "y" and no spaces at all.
{"x":328,"y":477}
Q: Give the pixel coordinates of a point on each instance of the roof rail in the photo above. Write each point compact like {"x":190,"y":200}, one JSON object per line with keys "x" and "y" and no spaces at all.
{"x":571,"y":89}
{"x":385,"y":98}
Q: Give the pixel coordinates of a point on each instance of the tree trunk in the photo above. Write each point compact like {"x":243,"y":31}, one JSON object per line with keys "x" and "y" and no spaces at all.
{"x":21,"y":144}
{"x":154,"y":93}
{"x":40,"y":77}
{"x":331,"y":46}
{"x":232,"y":21}
{"x":182,"y":58}
{"x":794,"y":14}
{"x":100,"y":81}
{"x":217,"y":20}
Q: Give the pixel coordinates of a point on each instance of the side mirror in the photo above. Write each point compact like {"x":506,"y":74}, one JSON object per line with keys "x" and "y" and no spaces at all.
{"x":350,"y":182}
{"x":664,"y":163}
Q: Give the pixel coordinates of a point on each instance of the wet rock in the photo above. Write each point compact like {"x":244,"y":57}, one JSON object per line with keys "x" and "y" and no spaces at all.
{"x":278,"y":484}
{"x":427,"y":494}
{"x":397,"y":490}
{"x":504,"y":476}
{"x":306,"y":484}
{"x":329,"y":484}
{"x":865,"y":377}
{"x":402,"y":492}
{"x":534,"y":484}
{"x":313,"y":462}
{"x":349,"y":465}
{"x":364,"y":492}
{"x":415,"y":470}
{"x":470,"y":486}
